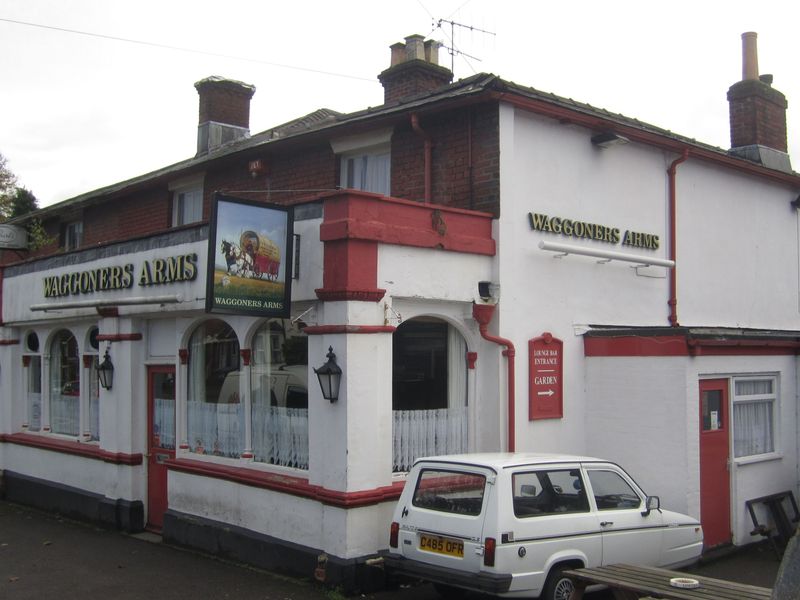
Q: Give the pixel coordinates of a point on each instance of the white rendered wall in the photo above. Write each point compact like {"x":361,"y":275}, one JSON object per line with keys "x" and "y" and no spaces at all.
{"x":553,"y":169}
{"x":737,"y":250}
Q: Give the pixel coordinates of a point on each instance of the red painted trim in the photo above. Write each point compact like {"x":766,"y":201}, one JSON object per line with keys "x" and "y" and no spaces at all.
{"x":472,"y":358}
{"x":329,"y":329}
{"x":108,"y":311}
{"x":328,"y":295}
{"x":183,"y":356}
{"x":352,"y":215}
{"x":119,"y":337}
{"x":71,"y":447}
{"x":287,"y":484}
{"x":26,"y":360}
{"x":87,"y":361}
{"x":9,"y":342}
{"x":679,"y":345}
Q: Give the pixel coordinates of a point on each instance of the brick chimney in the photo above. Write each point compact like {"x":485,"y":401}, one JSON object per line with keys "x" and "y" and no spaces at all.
{"x":224,"y":112}
{"x":414,"y":69}
{"x":757,"y":113}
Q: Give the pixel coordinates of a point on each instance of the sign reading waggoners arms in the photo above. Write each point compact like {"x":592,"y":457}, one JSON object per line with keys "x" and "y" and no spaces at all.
{"x":249,"y":258}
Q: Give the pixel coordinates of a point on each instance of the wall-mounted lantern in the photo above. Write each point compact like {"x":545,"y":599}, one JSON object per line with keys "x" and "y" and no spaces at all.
{"x":105,"y":372}
{"x":330,"y":376}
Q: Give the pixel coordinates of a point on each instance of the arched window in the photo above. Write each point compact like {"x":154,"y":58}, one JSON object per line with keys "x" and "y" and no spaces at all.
{"x":215,"y":413}
{"x":65,"y":389}
{"x":279,"y":396}
{"x":32,"y":360}
{"x":429,"y":391}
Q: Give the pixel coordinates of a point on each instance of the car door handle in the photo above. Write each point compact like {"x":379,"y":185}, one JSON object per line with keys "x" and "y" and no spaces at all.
{"x":606,"y":523}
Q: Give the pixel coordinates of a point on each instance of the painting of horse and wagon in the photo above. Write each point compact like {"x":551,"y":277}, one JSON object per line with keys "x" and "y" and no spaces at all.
{"x":250,"y":243}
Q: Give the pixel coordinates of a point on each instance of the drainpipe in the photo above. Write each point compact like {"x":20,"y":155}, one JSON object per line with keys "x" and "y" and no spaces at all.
{"x":483,"y":314}
{"x":673,"y":272}
{"x":428,"y":146}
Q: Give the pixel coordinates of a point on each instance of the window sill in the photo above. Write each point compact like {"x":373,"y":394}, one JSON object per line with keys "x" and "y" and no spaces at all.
{"x":758,"y":458}
{"x":46,"y":441}
{"x":287,"y":484}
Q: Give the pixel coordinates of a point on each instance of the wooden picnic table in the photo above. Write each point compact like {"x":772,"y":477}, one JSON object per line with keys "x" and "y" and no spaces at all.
{"x":629,"y":582}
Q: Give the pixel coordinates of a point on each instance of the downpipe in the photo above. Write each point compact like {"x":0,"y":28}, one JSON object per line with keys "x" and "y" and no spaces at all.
{"x":483,"y":313}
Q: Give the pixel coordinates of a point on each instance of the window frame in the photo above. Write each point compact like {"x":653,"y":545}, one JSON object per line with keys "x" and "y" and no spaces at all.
{"x":183,"y":191}
{"x":73,"y":235}
{"x":771,"y":399}
{"x":55,"y":378}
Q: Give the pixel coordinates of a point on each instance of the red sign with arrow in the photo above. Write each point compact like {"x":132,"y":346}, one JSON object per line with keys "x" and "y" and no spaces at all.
{"x":546,"y":377}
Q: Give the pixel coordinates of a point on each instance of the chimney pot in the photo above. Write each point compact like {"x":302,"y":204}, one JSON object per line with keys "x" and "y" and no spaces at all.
{"x":749,"y":55}
{"x":415,"y":47}
{"x":398,"y":53}
{"x":432,"y":51}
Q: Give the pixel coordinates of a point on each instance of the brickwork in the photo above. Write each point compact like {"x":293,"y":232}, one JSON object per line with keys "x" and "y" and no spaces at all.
{"x":757,"y":115}
{"x":224,"y":102}
{"x":412,"y":78}
{"x":458,"y":138}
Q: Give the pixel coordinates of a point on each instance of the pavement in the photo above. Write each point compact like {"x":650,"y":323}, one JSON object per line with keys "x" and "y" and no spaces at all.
{"x":45,"y":555}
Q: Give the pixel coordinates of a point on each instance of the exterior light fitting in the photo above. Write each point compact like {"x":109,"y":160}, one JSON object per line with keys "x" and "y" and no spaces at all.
{"x":105,"y":372}
{"x":330,"y":377}
{"x":607,"y":139}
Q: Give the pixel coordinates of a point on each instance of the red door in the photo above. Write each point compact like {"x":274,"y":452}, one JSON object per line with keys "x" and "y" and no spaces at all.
{"x":160,"y":440}
{"x":715,"y":500}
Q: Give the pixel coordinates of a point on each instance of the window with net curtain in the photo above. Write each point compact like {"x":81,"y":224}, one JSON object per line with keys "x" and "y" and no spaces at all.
{"x":279,"y":395}
{"x":754,"y":403}
{"x":33,"y":361}
{"x":65,"y":390}
{"x":215,"y":411}
{"x":429,"y":391}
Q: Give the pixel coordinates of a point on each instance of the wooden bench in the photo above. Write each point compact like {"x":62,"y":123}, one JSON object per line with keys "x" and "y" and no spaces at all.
{"x":628,"y":582}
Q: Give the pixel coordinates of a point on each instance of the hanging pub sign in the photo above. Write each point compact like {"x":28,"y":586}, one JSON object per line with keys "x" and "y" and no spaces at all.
{"x":546,"y":377}
{"x":249,"y":258}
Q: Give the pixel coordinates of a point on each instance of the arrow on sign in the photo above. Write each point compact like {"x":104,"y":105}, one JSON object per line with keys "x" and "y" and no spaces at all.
{"x":546,"y":393}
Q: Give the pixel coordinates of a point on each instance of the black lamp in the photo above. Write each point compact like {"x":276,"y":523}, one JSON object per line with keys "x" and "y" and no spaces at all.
{"x":105,"y":372}
{"x":330,"y":376}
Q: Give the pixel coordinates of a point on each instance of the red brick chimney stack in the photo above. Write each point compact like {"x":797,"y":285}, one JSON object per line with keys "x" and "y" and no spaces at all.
{"x":757,"y":113}
{"x":414,"y":69}
{"x":224,"y":114}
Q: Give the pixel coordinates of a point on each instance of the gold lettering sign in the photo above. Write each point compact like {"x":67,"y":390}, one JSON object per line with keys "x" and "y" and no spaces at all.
{"x":593,"y":231}
{"x":104,"y":279}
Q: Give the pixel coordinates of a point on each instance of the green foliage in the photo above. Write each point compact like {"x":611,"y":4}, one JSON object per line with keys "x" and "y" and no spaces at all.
{"x":23,"y":202}
{"x":37,"y":235}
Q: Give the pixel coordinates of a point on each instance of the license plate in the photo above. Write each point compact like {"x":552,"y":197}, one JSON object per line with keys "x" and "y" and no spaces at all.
{"x":441,"y":545}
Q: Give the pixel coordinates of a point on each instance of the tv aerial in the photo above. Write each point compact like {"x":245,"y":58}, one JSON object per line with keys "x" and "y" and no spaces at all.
{"x":452,"y":49}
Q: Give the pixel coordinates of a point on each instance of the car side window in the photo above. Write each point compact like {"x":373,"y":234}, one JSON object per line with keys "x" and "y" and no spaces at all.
{"x":548,"y":492}
{"x":612,"y":492}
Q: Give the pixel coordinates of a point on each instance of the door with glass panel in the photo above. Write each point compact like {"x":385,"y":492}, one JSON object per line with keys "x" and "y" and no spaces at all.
{"x":715,"y":498}
{"x":160,"y":440}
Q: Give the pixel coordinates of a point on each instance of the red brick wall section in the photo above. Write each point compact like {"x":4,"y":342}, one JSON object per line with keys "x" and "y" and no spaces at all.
{"x":127,"y":217}
{"x":287,"y":177}
{"x":224,"y":102}
{"x":757,"y":115}
{"x":462,"y":136}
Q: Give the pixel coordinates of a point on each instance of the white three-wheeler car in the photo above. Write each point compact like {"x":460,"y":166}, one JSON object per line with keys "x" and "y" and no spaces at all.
{"x":510,"y":524}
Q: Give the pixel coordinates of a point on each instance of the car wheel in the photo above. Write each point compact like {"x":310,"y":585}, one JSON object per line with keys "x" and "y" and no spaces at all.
{"x":448,"y":592}
{"x":558,"y":586}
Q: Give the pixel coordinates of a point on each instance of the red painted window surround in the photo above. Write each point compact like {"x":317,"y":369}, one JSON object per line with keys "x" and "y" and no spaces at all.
{"x":287,"y":484}
{"x":682,"y":345}
{"x":355,"y":223}
{"x":75,"y":448}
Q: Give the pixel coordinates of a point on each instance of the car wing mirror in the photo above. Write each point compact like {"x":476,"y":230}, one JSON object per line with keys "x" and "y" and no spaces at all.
{"x":651,"y":503}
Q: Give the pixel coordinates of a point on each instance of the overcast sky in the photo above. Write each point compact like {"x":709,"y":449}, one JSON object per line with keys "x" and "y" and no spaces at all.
{"x":78,"y":112}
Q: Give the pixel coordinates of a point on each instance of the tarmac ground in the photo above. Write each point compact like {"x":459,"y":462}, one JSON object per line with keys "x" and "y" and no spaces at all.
{"x":43,"y":555}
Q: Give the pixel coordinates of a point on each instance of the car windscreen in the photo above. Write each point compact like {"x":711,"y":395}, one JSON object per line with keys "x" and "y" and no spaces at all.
{"x":456,"y":492}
